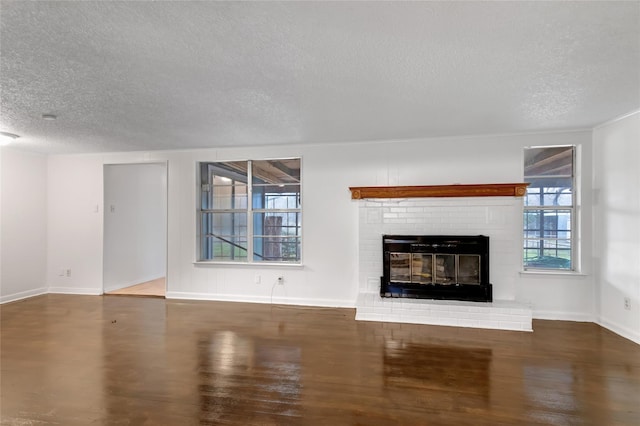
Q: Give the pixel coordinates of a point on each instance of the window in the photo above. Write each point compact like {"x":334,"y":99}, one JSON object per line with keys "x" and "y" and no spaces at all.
{"x":549,"y":208}
{"x":250,"y":211}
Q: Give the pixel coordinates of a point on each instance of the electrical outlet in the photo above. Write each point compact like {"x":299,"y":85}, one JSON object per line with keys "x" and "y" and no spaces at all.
{"x":280,"y":280}
{"x":627,"y":303}
{"x":67,"y":272}
{"x":257,"y":279}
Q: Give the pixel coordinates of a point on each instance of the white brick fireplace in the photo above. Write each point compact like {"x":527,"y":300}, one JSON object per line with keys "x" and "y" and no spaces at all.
{"x":500,"y":218}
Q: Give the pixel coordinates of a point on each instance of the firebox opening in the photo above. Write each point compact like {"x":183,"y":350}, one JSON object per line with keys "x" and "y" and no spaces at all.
{"x":436,"y":267}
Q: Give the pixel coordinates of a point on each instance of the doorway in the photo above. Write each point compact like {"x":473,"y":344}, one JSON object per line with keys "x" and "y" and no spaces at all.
{"x":135,"y":229}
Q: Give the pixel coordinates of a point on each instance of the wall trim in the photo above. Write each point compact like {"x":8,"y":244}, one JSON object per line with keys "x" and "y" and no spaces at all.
{"x":616,"y":119}
{"x":74,"y":290}
{"x":23,"y":295}
{"x":276,"y":300}
{"x":620,"y":330}
{"x":296,"y":146}
{"x":563,"y":316}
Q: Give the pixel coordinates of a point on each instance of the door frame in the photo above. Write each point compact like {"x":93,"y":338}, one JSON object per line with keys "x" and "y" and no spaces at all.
{"x":164,"y":163}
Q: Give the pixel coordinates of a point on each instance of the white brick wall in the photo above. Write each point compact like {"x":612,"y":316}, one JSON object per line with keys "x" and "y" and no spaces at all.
{"x":503,"y":315}
{"x":497,"y":217}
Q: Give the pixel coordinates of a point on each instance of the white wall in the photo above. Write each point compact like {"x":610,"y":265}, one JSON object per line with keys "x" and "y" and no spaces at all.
{"x":330,"y":219}
{"x":74,"y":228}
{"x":134,"y":224}
{"x":23,"y":217}
{"x":617,"y":224}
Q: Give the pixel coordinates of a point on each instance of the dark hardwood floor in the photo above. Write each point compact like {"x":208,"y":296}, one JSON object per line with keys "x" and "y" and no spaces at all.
{"x":91,"y":360}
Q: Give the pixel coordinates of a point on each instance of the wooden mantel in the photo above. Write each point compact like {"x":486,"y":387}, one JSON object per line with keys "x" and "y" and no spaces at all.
{"x":457,"y":190}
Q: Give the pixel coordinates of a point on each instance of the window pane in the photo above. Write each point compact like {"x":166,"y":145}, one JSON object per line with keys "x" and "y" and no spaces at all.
{"x":547,"y":239}
{"x":279,"y":223}
{"x":271,"y":249}
{"x":549,"y":254}
{"x":224,"y":224}
{"x":225,"y":196}
{"x":547,"y":223}
{"x":276,"y":172}
{"x":232,"y":170}
{"x":277,"y":236}
{"x":276,"y":196}
{"x":549,"y":192}
{"x":532,"y":219}
{"x":532,"y":197}
{"x":221,"y":248}
{"x":223,"y":185}
{"x":544,"y":245}
{"x":548,"y":161}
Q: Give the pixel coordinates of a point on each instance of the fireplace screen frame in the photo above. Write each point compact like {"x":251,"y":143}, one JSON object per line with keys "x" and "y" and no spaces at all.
{"x":436,"y":267}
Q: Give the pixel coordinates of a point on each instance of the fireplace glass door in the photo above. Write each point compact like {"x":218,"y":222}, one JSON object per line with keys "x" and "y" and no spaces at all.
{"x":445,"y":268}
{"x":468,"y":269}
{"x":400,"y":267}
{"x":421,"y":268}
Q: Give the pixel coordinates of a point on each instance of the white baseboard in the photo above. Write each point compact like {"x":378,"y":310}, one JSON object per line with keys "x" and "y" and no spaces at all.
{"x":276,"y":300}
{"x":563,"y":316}
{"x":325,"y":303}
{"x":621,"y":330}
{"x":74,"y":290}
{"x":23,"y":295}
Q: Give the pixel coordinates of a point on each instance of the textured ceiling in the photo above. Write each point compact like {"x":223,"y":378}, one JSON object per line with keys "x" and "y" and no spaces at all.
{"x":131,"y":75}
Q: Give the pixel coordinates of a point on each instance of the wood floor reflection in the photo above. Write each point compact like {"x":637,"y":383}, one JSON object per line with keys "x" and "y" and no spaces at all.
{"x":80,"y":360}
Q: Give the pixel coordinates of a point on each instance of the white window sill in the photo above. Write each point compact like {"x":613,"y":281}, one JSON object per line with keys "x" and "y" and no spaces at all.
{"x":251,"y":265}
{"x":544,"y":272}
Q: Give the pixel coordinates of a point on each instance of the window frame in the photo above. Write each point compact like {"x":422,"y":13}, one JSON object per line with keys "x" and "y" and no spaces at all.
{"x":250,"y":211}
{"x":574,"y":212}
